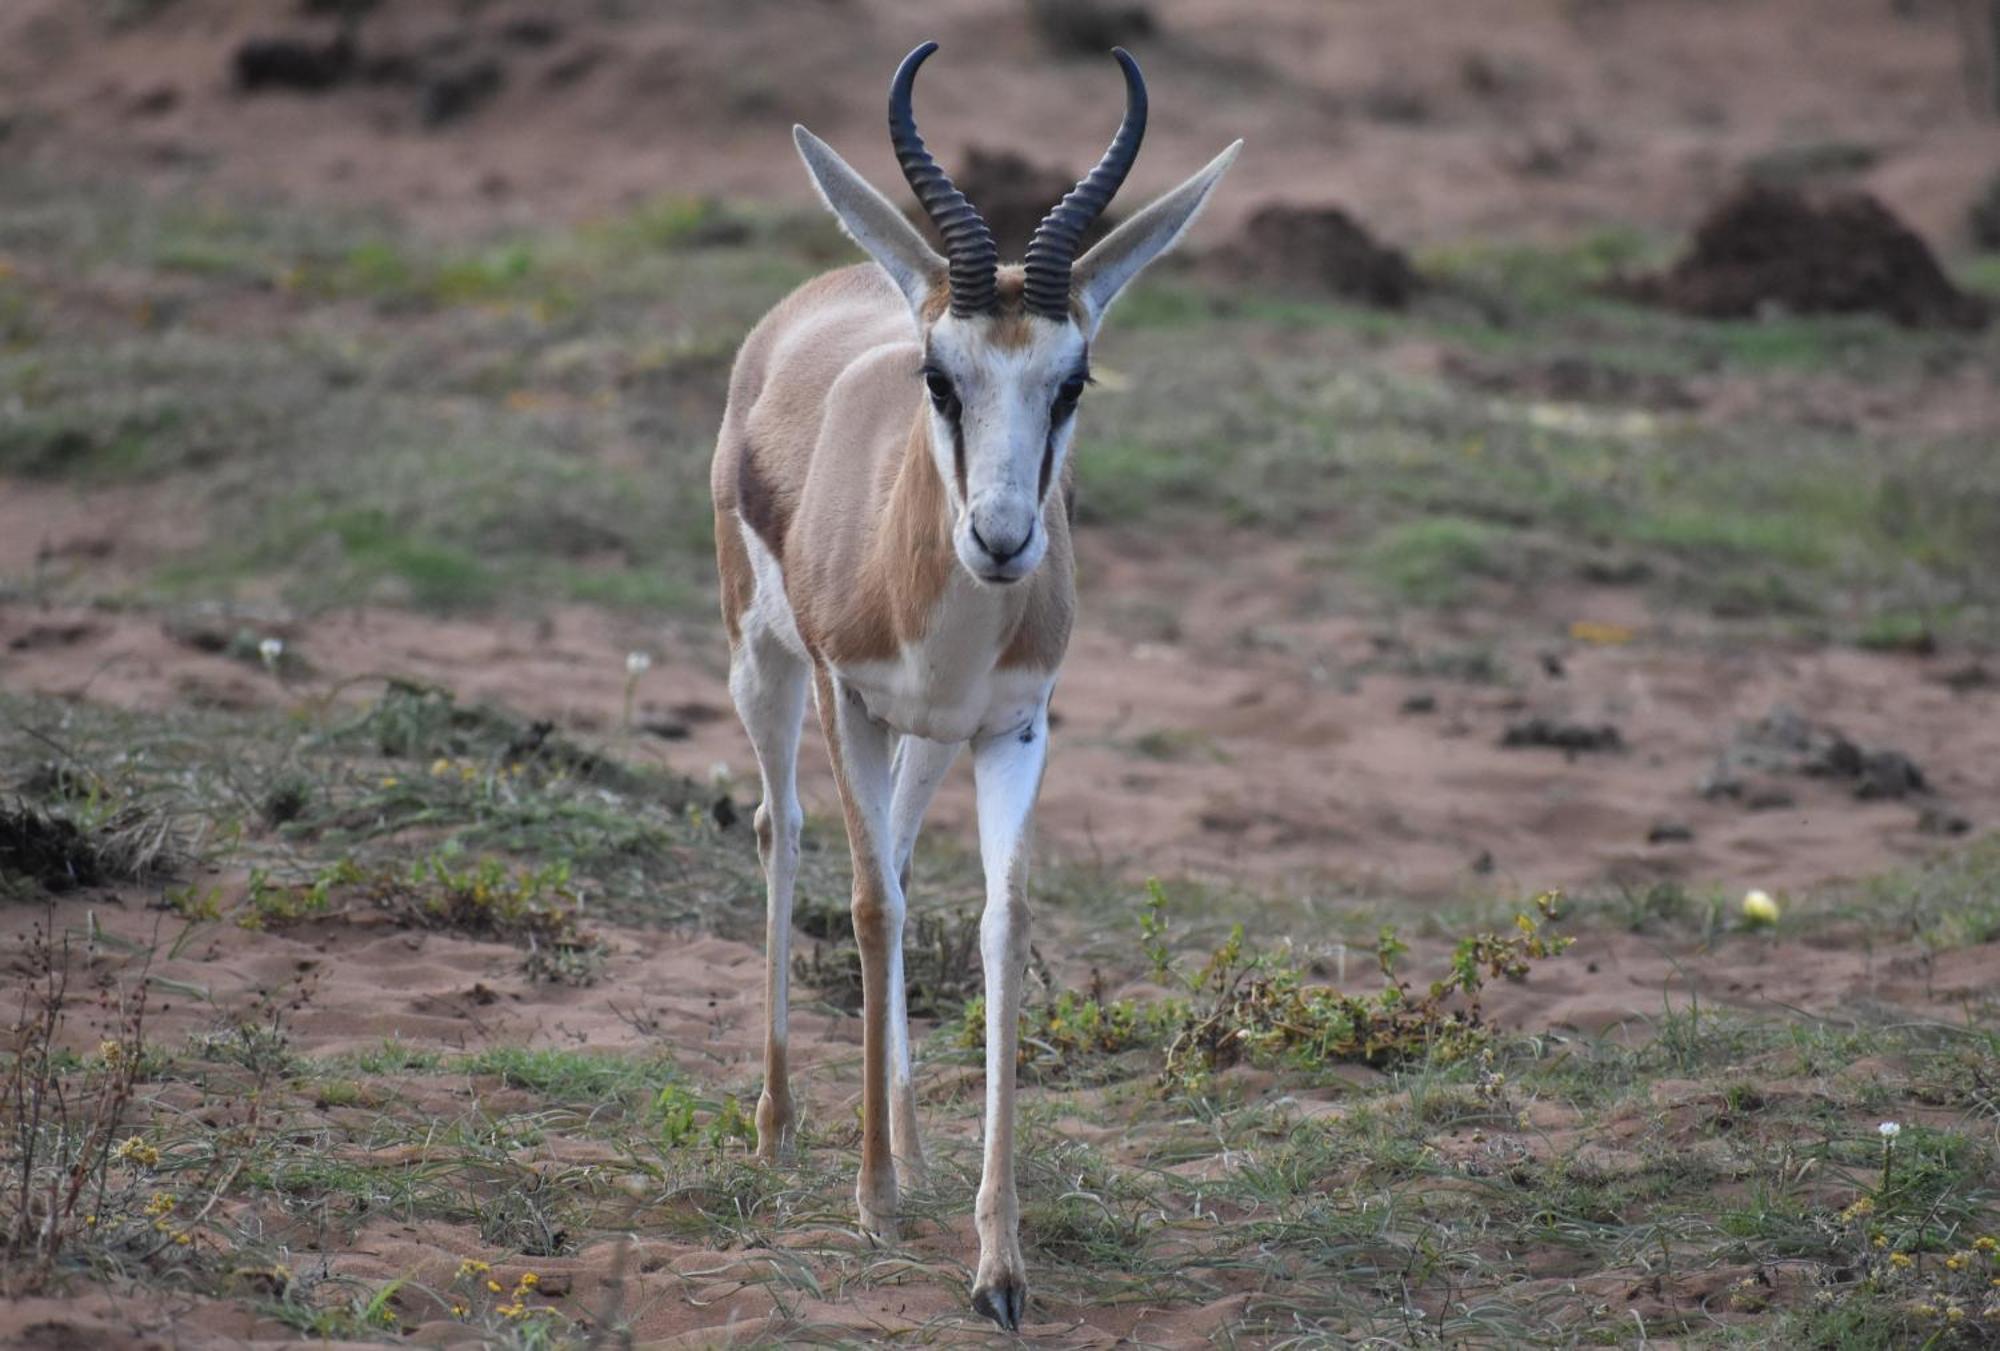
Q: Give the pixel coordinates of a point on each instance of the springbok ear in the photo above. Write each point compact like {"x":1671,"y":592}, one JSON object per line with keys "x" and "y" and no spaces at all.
{"x":871,"y":221}
{"x":1124,"y":253}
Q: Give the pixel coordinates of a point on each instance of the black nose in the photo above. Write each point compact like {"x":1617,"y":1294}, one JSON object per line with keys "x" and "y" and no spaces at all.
{"x":1002,"y":551}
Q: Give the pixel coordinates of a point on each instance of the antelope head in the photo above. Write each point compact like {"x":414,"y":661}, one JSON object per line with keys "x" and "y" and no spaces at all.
{"x":1006,"y":350}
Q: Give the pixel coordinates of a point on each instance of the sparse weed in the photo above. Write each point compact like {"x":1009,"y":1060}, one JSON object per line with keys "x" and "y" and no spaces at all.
{"x":679,"y":1112}
{"x":535,"y":908}
{"x":74,"y":1174}
{"x":1263,"y":1007}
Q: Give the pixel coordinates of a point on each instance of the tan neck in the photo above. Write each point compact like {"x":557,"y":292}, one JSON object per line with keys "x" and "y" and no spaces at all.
{"x":913,"y":538}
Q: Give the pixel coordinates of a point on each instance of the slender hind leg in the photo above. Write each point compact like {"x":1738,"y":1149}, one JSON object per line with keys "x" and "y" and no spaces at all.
{"x":919,"y":767}
{"x":860,"y":750}
{"x":769,"y":686}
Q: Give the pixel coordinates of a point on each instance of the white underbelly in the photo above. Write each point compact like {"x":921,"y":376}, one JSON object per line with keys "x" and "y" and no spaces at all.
{"x":916,"y":694}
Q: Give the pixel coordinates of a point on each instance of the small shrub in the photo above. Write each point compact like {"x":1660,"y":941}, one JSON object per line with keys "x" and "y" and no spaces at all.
{"x":940,"y":959}
{"x":679,"y":1112}
{"x":534,"y":908}
{"x":1262,"y":1007}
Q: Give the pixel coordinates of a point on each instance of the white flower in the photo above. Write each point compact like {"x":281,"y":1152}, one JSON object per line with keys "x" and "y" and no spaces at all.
{"x":1890,"y":1129}
{"x":271,"y":649}
{"x":638,"y":663}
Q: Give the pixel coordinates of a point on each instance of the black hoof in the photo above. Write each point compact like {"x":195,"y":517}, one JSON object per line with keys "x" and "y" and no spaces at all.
{"x":1004,"y":1304}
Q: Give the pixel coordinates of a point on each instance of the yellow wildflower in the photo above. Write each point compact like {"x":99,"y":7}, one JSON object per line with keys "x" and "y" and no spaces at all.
{"x":1759,"y":908}
{"x":136,"y":1150}
{"x":1603,"y":635}
{"x":472,"y":1266}
{"x":1881,"y":1241}
{"x":161,"y":1204}
{"x":184,"y":1238}
{"x":1899,"y":1260}
{"x":530,"y":1278}
{"x":1954,"y":1263}
{"x":110,"y":1052}
{"x":1986,"y":1243}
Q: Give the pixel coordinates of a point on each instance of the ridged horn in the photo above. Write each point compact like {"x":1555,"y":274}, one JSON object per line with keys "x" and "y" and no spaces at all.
{"x":1053,"y":250}
{"x":968,"y":243}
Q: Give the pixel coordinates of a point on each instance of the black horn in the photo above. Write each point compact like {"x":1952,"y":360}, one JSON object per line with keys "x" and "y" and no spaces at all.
{"x":1053,"y":249}
{"x":968,"y":243}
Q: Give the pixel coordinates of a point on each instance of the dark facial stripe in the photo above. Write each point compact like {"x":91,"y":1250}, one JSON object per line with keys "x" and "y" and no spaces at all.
{"x":954,"y":415}
{"x":1061,"y":414}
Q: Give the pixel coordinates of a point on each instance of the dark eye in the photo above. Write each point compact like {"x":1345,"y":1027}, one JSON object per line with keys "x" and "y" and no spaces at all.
{"x":939,"y":385}
{"x":1070,"y":390}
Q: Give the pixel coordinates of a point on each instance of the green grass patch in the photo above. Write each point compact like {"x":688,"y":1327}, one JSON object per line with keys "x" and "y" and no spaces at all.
{"x":1431,"y":561}
{"x":527,"y":418}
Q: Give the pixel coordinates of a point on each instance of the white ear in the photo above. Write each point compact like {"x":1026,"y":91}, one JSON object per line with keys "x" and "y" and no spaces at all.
{"x":871,"y":221}
{"x":1123,"y":254}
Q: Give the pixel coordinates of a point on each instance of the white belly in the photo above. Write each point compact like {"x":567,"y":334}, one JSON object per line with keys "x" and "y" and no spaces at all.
{"x":948,"y":686}
{"x":914,"y":696}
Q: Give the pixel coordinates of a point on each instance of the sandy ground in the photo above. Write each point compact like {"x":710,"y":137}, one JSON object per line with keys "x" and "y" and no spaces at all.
{"x":350,"y":982}
{"x":1267,"y":736}
{"x":1287,"y":752}
{"x":1530,"y":117}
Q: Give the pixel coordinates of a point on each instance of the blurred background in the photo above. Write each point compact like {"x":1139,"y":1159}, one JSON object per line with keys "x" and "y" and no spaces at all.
{"x":1621,"y":364}
{"x":1566,"y":456}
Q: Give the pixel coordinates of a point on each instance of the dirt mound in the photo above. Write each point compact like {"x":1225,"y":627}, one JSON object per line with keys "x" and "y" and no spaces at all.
{"x":1321,"y":248}
{"x":1808,"y":252}
{"x":1983,"y":217}
{"x":294,"y":63}
{"x":1090,"y":27}
{"x":1786,"y":742}
{"x":1013,"y":193}
{"x":46,"y":850}
{"x":450,"y":78}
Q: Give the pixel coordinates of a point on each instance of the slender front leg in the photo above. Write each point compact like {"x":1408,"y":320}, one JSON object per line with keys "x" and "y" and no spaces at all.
{"x":1007,"y":770}
{"x":769,"y":686}
{"x":919,"y":767}
{"x":859,"y":749}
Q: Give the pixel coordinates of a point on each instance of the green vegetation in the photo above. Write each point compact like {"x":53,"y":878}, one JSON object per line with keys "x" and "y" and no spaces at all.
{"x":528,"y":419}
{"x":1247,"y":1118}
{"x":349,"y":413}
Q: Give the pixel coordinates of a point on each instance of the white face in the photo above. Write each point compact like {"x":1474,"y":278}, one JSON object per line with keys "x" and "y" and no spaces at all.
{"x":1001,"y":422}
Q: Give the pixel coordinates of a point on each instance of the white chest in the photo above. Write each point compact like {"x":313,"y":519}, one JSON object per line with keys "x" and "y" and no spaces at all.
{"x":948,"y":686}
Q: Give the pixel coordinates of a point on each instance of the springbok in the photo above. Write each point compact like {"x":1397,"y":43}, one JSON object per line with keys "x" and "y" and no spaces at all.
{"x":885,"y":529}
